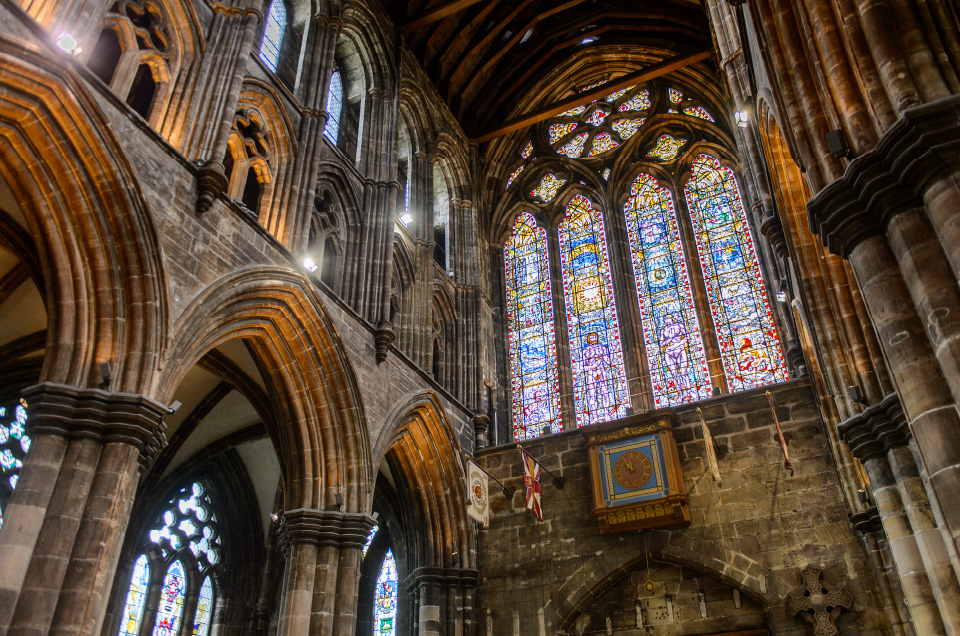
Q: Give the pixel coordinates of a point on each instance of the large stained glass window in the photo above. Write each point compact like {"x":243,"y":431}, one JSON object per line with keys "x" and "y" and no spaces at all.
{"x":14,"y":444}
{"x":273,"y":34}
{"x":749,"y":346}
{"x":136,"y":595}
{"x":601,"y":125}
{"x":201,"y":623}
{"x":385,"y":601}
{"x":599,"y":380}
{"x":171,"y":601}
{"x":334,"y":108}
{"x":533,"y":351}
{"x":671,"y":334}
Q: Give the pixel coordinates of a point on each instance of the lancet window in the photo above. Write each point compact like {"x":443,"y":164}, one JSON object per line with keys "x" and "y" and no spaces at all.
{"x":177,"y":566}
{"x":14,"y":444}
{"x":334,"y":108}
{"x":385,"y":600}
{"x":705,"y":321}
{"x":273,"y":34}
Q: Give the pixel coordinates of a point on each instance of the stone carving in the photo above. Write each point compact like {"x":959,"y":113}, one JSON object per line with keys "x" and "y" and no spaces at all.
{"x":818,"y":602}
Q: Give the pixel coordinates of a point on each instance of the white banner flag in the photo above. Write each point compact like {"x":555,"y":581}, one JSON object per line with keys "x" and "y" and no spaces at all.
{"x":479,"y":505}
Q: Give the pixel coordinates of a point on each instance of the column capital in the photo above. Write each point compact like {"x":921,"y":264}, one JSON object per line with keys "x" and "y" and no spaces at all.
{"x":326,"y":527}
{"x":920,"y":147}
{"x":876,"y":429}
{"x":106,"y":416}
{"x":463,"y":577}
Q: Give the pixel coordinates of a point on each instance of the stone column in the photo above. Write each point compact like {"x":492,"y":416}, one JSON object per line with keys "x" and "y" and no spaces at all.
{"x":65,"y":524}
{"x":320,"y":591}
{"x":440,"y":594}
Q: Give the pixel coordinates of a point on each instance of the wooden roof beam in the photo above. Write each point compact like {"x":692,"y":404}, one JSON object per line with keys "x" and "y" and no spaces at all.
{"x":651,"y":72}
{"x":438,"y":12}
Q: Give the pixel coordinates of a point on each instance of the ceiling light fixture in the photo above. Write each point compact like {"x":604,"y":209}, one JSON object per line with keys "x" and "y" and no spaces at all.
{"x":741,"y":118}
{"x":67,"y":43}
{"x":310,"y":265}
{"x":406,"y":218}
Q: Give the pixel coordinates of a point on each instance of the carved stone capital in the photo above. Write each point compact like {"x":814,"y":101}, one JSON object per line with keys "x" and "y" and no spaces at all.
{"x":105,"y":416}
{"x":326,"y":527}
{"x":211,"y":182}
{"x":921,"y":147}
{"x":877,"y":429}
{"x":383,"y":338}
{"x":461,"y":577}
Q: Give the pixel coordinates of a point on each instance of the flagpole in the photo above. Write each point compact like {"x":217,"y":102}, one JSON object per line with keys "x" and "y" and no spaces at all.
{"x":783,"y":440}
{"x":507,"y":492}
{"x":557,"y":481}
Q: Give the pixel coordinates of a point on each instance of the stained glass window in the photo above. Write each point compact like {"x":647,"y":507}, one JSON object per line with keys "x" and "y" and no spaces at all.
{"x":527,"y":150}
{"x":189,"y":523}
{"x":574,"y":148}
{"x":612,"y":97}
{"x":602,"y":143}
{"x":334,"y":107}
{"x":273,"y":34}
{"x":14,"y":444}
{"x":675,"y":96}
{"x":515,"y":174}
{"x":598,"y":116}
{"x":171,"y":601}
{"x":594,"y":85}
{"x":749,"y":346}
{"x":599,"y":380}
{"x":667,"y":148}
{"x":548,"y":187}
{"x":627,"y":128}
{"x":606,"y":174}
{"x":640,"y":101}
{"x":573,"y":112}
{"x":533,"y":350}
{"x":671,"y":334}
{"x":201,"y":623}
{"x":366,"y":546}
{"x":136,"y":595}
{"x":698,"y":111}
{"x":559,"y":131}
{"x":385,"y":602}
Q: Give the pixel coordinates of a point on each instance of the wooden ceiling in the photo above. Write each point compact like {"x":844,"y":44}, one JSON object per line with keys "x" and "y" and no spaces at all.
{"x":484,"y":55}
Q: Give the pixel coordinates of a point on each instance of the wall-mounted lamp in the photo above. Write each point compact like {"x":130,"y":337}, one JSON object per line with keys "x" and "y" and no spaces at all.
{"x":338,"y":498}
{"x":309,"y":265}
{"x":741,"y":117}
{"x":67,"y":43}
{"x":406,"y":218}
{"x":782,"y":291}
{"x":106,"y":376}
{"x":837,"y":144}
{"x":173,"y":407}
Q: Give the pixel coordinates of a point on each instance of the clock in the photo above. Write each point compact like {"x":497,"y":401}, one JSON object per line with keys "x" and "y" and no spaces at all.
{"x":632,"y":469}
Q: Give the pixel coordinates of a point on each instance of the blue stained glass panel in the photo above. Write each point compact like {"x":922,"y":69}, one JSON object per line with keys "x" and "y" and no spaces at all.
{"x":533,"y":350}
{"x":671,"y":334}
{"x":273,"y":34}
{"x":201,"y":622}
{"x":136,"y":595}
{"x":385,"y":602}
{"x":599,"y":380}
{"x":334,"y":108}
{"x":170,"y":610}
{"x":14,"y":444}
{"x":749,"y":345}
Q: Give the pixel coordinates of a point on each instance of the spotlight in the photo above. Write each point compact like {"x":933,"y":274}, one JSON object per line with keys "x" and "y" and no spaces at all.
{"x":173,"y":407}
{"x":406,"y":218}
{"x":741,"y":117}
{"x":588,"y":40}
{"x":310,"y":265}
{"x":68,"y":44}
{"x":106,"y":376}
{"x":782,"y":292}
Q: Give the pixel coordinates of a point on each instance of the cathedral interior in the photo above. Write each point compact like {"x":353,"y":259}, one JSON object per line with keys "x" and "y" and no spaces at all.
{"x":479,"y":317}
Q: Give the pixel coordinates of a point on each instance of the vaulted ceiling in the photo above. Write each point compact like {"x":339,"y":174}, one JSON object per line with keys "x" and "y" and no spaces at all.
{"x":483,"y":55}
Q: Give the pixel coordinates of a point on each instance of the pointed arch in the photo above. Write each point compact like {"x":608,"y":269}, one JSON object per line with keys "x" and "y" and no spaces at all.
{"x":322,"y":444}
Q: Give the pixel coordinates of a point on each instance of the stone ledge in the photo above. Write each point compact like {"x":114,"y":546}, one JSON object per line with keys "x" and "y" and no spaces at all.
{"x":867,"y":522}
{"x":877,"y":429}
{"x":465,"y":577}
{"x":105,"y":416}
{"x":923,"y":145}
{"x":326,"y":527}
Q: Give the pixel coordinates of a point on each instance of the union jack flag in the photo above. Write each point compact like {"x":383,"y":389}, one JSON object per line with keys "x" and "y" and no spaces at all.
{"x":531,"y":479}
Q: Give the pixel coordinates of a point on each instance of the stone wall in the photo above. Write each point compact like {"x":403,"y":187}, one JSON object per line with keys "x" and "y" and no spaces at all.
{"x":754,"y":533}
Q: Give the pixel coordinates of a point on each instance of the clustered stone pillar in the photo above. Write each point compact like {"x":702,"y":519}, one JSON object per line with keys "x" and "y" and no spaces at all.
{"x":322,"y":571}
{"x":65,"y":524}
{"x":443,"y":600}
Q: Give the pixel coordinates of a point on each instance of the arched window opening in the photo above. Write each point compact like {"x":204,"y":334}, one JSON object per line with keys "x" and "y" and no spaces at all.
{"x":170,"y":610}
{"x":437,"y":359}
{"x":533,"y":350}
{"x":14,"y":444}
{"x":749,"y":346}
{"x":106,"y":56}
{"x":136,"y":596}
{"x":273,"y":34}
{"x":252,"y":190}
{"x":674,"y":347}
{"x":334,"y":107}
{"x":385,"y":601}
{"x":331,"y":256}
{"x":201,"y":624}
{"x":142,"y":91}
{"x":599,"y":379}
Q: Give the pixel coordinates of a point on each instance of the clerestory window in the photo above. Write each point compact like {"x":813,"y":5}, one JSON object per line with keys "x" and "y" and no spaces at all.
{"x":273,"y":33}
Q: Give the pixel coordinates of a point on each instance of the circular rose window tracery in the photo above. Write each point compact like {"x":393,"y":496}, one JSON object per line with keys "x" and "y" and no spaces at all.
{"x":592,"y":129}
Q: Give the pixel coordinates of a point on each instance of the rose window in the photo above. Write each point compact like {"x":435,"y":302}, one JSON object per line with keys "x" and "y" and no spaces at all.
{"x":592,"y":129}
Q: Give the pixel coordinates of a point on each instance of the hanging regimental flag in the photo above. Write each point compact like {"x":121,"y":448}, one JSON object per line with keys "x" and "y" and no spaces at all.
{"x":711,"y":448}
{"x":783,"y":440}
{"x":478,"y":505}
{"x":531,"y":479}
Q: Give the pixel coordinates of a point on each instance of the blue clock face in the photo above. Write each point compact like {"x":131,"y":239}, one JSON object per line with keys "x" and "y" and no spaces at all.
{"x":632,"y":470}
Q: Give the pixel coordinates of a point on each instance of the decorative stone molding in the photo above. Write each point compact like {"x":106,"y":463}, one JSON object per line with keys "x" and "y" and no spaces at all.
{"x":923,"y":145}
{"x":105,"y":416}
{"x":383,"y":337}
{"x":877,"y":429}
{"x":211,"y":182}
{"x":326,"y":527}
{"x":480,"y":423}
{"x":818,"y":602}
{"x":462,"y":577}
{"x":867,"y":522}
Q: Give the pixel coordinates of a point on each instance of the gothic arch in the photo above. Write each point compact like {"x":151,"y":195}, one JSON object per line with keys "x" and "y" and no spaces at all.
{"x":322,"y":442}
{"x":364,"y":36}
{"x":96,"y":243}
